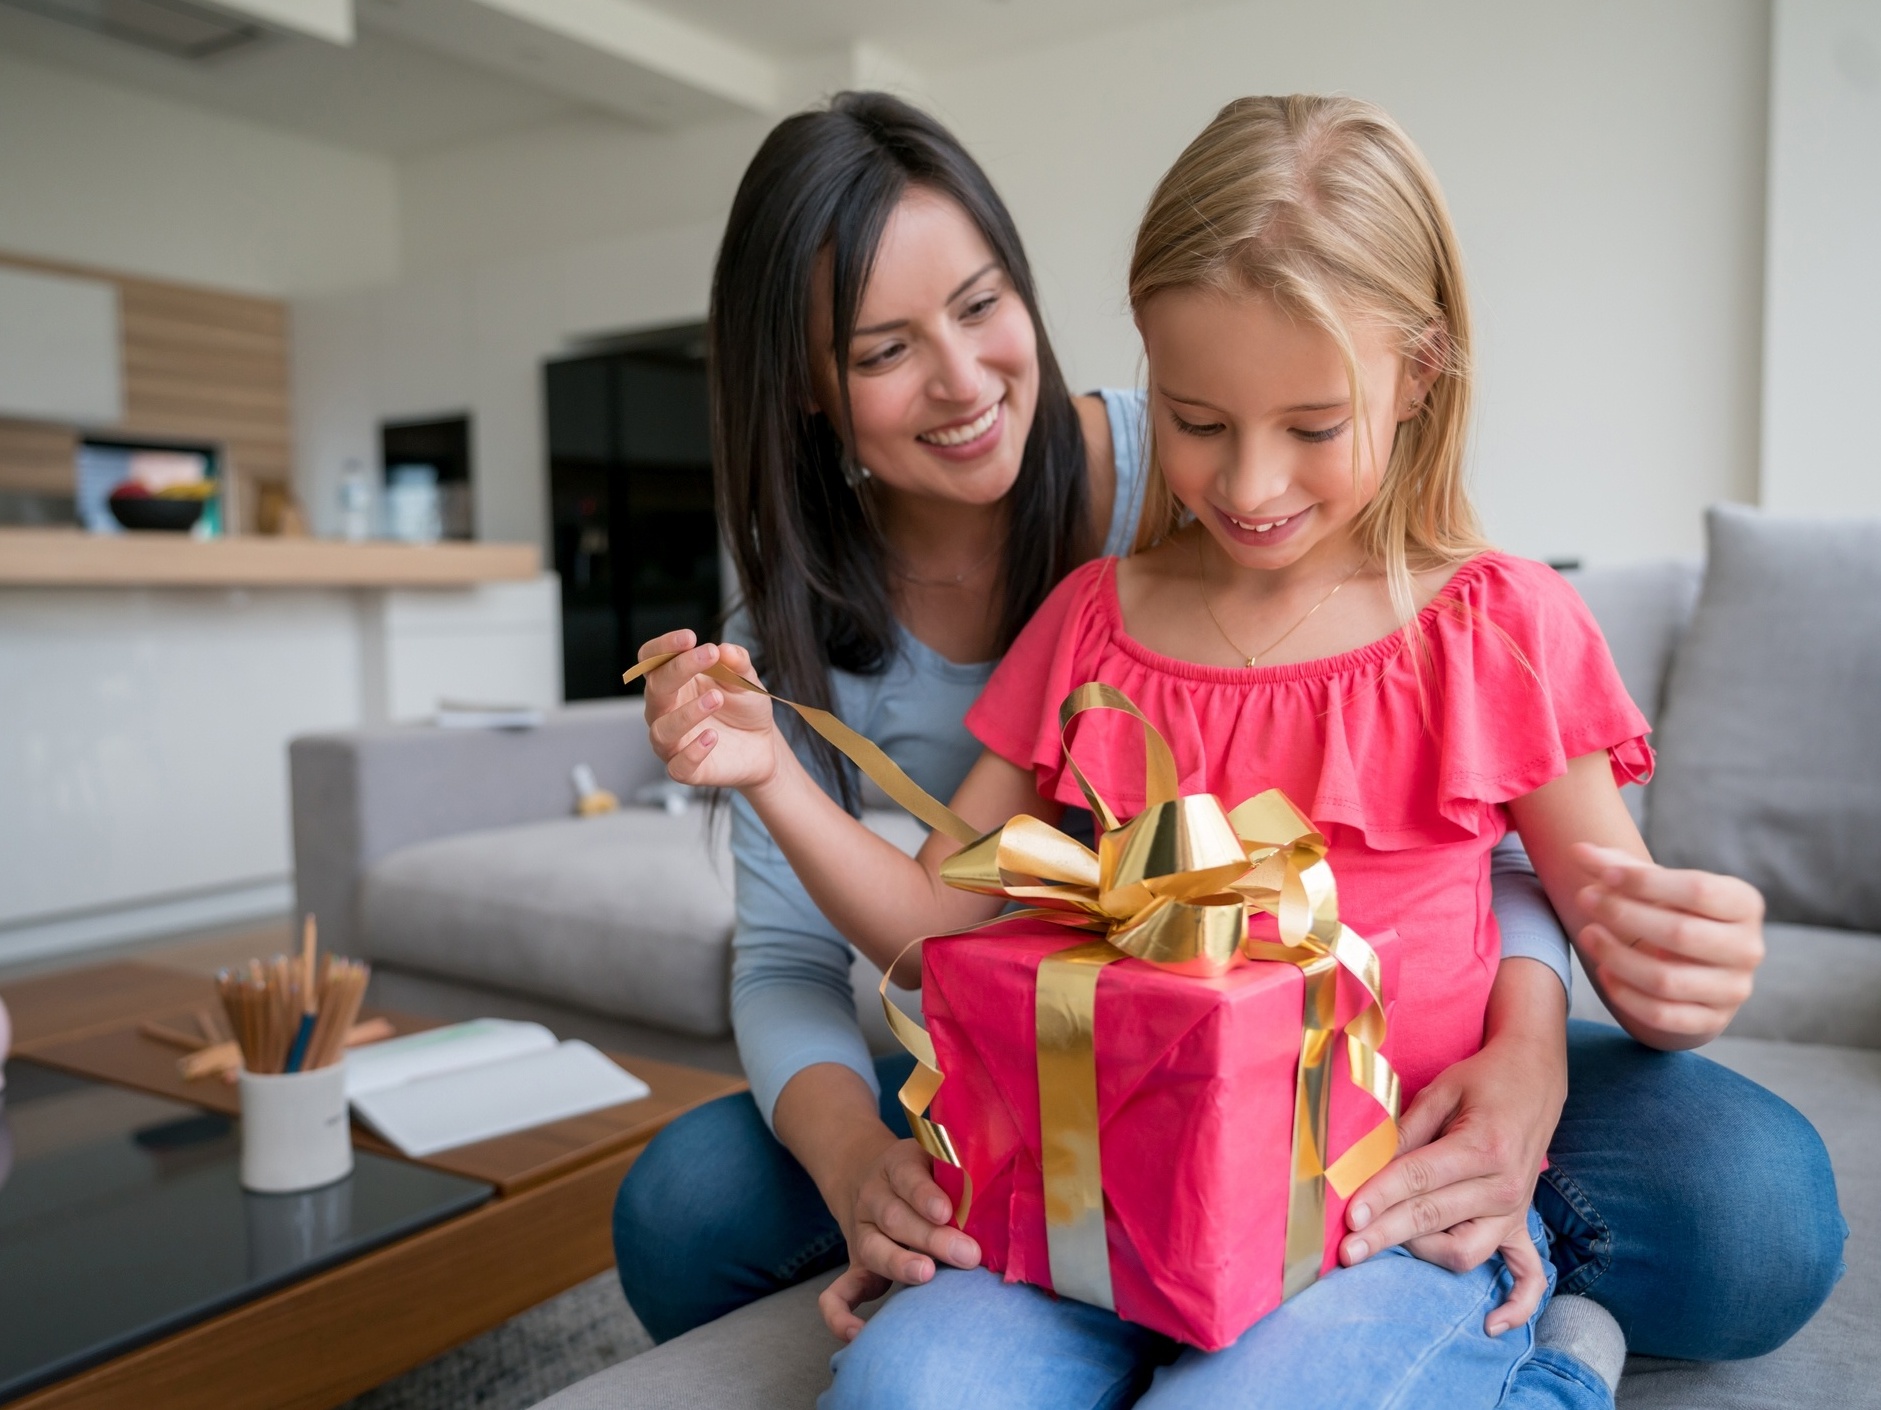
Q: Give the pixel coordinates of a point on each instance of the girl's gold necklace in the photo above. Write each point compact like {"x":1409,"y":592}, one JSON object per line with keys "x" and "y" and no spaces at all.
{"x":1253,"y":657}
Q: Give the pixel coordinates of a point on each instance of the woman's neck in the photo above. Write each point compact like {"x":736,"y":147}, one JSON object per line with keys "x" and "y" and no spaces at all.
{"x":944,"y":568}
{"x":939,"y":539}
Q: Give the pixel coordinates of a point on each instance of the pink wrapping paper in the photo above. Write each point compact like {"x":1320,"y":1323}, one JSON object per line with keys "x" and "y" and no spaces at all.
{"x":1195,"y":1083}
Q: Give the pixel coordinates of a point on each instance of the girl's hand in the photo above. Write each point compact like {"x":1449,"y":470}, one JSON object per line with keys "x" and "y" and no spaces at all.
{"x":705,"y":733}
{"x":1673,"y":953}
{"x":1471,"y":1146}
{"x":897,"y":1228}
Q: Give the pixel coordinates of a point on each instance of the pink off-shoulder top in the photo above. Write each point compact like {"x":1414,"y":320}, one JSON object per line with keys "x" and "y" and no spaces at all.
{"x":1406,"y":769}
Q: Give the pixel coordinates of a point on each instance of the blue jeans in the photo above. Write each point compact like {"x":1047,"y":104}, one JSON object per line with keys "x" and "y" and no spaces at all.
{"x":1391,"y":1332}
{"x":1697,"y":1207}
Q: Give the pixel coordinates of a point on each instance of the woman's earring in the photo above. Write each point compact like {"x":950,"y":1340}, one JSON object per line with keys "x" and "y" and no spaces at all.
{"x":854,"y":473}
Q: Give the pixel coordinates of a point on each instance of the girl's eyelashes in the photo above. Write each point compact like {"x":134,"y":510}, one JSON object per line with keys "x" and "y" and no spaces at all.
{"x":1192,"y":428}
{"x":1315,"y":437}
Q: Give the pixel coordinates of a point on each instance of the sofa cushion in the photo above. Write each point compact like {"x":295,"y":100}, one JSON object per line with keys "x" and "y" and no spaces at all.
{"x":771,"y":1355}
{"x":1832,"y":1362}
{"x":1816,"y":986}
{"x":628,"y":914}
{"x":1768,"y":765}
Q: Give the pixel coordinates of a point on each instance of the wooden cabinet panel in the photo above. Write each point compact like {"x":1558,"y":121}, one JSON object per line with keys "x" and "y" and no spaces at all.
{"x":36,"y":458}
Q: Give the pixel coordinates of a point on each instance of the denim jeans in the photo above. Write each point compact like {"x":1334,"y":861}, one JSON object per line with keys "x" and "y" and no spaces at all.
{"x":1391,"y":1332}
{"x":1696,"y":1206}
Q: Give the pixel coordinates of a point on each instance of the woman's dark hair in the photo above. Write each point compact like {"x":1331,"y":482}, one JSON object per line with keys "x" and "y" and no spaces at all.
{"x":810,"y":556}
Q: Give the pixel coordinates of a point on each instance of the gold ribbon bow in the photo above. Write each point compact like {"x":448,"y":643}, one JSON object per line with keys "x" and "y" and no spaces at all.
{"x":1174,"y":886}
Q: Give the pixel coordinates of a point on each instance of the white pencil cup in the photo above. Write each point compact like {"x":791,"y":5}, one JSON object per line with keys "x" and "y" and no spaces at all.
{"x":295,"y":1134}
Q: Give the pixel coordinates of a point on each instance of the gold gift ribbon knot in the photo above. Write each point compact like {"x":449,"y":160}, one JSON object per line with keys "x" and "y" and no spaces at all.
{"x":1174,"y":885}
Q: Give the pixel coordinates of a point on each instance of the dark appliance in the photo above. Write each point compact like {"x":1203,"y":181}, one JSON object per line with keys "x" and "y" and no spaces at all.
{"x":630,"y":502}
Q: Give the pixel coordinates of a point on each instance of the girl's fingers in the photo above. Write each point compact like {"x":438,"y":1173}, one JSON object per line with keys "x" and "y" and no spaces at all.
{"x":907,"y":1226}
{"x":670,"y":730}
{"x":1523,"y":1261}
{"x":1671,"y":980}
{"x":1700,"y":893}
{"x":1462,"y":1248}
{"x":838,"y":1301}
{"x":874,"y":1250}
{"x":1431,"y":1213}
{"x":1400,"y":1197}
{"x":1728,"y":944}
{"x":910,"y":1177}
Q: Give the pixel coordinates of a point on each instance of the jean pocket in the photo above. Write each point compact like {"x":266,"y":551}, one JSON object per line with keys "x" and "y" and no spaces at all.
{"x":1581,"y":1244}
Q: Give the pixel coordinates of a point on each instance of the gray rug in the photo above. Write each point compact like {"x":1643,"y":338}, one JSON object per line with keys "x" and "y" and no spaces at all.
{"x":527,"y":1359}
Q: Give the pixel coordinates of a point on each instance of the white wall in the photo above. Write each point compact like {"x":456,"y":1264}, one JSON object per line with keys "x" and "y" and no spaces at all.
{"x":1822,"y":351}
{"x":475,"y":339}
{"x":1604,"y":162}
{"x":103,"y":175}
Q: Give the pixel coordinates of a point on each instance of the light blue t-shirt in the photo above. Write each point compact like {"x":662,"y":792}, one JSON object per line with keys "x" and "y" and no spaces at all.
{"x":792,"y":1002}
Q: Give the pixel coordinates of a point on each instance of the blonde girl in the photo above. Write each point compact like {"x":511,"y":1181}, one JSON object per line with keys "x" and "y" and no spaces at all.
{"x":1311,"y":606}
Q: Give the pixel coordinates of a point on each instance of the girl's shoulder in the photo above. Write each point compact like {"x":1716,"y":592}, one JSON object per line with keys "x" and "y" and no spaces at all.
{"x":1497,"y":601}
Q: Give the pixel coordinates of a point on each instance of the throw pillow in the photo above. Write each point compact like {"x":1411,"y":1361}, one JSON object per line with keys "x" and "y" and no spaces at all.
{"x":1770,"y":736}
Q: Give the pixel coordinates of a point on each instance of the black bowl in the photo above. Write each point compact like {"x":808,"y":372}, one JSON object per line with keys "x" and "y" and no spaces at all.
{"x":176,"y":515}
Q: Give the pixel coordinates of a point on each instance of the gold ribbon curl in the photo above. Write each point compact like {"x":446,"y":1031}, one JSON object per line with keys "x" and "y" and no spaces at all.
{"x":1174,"y":885}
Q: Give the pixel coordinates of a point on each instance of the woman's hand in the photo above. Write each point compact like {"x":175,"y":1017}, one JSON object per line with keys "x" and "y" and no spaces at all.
{"x":1471,"y":1146}
{"x":707,"y":734}
{"x":897,"y":1227}
{"x":1673,"y":953}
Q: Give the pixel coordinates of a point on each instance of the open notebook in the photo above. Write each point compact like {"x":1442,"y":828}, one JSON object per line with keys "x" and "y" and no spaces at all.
{"x":428,"y":1092}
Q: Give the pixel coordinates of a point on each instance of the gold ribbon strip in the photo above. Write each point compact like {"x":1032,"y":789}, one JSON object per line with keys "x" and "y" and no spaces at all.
{"x":1174,"y":886}
{"x":1069,"y":1159}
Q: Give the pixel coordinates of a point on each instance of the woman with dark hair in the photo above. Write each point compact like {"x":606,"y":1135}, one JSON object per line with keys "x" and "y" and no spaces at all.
{"x":903,"y":476}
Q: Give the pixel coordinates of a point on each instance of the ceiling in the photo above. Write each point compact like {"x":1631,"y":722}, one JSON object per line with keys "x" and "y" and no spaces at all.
{"x":424,"y":74}
{"x":381,"y":94}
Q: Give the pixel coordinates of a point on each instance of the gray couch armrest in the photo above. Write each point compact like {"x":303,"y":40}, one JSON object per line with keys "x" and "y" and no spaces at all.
{"x":362,"y":794}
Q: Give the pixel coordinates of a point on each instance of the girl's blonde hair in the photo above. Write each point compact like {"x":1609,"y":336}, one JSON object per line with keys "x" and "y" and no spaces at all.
{"x":1326,"y":205}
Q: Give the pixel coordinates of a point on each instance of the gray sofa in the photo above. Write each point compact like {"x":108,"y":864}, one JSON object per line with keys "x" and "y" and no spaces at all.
{"x":1763,"y":678}
{"x":456,"y":853}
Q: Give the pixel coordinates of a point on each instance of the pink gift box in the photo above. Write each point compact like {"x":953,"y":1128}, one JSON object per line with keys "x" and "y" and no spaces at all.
{"x":1195,"y":1088}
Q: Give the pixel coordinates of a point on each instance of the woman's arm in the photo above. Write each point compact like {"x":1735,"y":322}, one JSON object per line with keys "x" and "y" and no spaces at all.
{"x":1672,"y":953}
{"x":1529,"y":928}
{"x":881,"y":899}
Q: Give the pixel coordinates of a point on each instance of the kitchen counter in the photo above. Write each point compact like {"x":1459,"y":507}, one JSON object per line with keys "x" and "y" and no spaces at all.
{"x":71,"y":558}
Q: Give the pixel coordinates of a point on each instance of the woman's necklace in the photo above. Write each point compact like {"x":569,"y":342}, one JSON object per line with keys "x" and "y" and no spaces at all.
{"x":954,"y":581}
{"x":1254,"y":656}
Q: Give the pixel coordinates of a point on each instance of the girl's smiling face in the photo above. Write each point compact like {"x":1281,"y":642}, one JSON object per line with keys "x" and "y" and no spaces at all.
{"x":943,"y":368}
{"x":1254,"y":422}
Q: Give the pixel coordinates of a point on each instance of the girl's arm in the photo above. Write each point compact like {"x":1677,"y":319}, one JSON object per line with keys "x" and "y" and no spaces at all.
{"x":881,"y":899}
{"x":1672,"y":953}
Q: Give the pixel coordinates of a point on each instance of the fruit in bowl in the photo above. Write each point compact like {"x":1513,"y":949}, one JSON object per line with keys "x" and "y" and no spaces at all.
{"x":175,"y":508}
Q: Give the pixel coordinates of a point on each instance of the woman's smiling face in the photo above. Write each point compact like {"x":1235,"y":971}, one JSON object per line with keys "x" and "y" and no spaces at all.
{"x":1254,"y":420}
{"x":943,"y":367}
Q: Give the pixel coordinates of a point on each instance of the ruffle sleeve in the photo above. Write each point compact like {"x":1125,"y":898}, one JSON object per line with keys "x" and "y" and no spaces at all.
{"x":1528,"y":684}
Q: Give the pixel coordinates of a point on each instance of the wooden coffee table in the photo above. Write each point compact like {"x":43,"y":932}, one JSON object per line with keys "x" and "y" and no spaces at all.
{"x":330,"y":1336}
